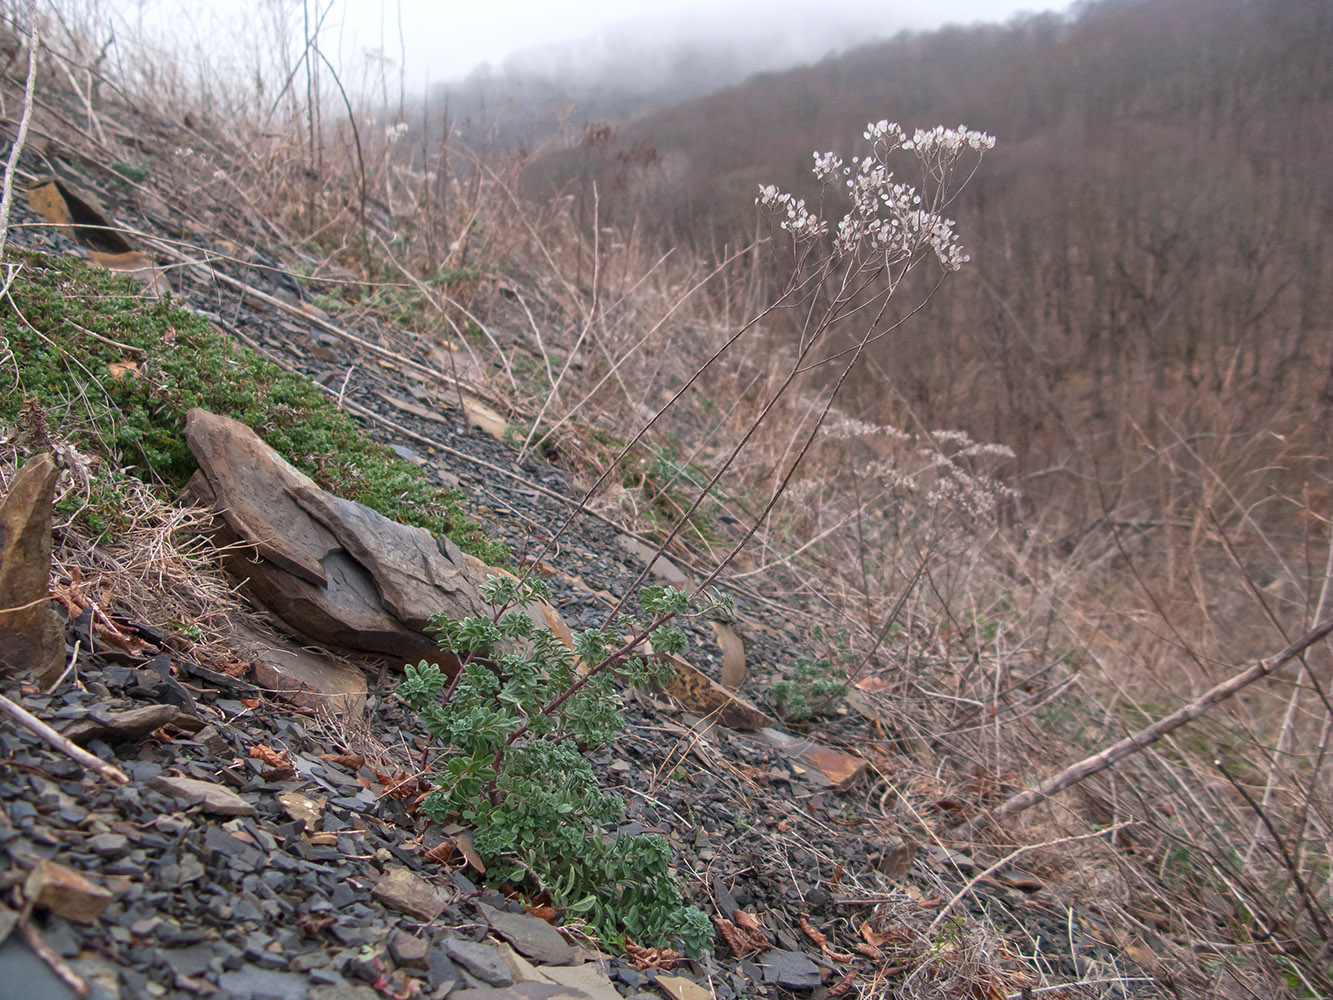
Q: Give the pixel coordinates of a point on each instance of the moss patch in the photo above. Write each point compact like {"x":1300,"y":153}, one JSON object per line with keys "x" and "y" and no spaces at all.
{"x":128,"y":405}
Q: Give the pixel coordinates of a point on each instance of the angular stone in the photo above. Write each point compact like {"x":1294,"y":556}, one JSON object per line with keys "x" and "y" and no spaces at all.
{"x":523,"y":991}
{"x":701,"y":695}
{"x":32,"y":635}
{"x":210,"y":796}
{"x":680,"y":988}
{"x":480,"y":959}
{"x":532,"y":936}
{"x":116,"y":727}
{"x":840,"y":769}
{"x":733,"y":656}
{"x":406,"y":892}
{"x":408,"y":950}
{"x":791,"y":970}
{"x":662,"y":568}
{"x":301,"y":676}
{"x":302,"y":808}
{"x":416,"y":574}
{"x":297,"y":568}
{"x":65,"y":892}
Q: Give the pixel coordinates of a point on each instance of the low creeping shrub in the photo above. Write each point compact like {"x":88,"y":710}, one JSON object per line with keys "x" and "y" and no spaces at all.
{"x":514,"y":727}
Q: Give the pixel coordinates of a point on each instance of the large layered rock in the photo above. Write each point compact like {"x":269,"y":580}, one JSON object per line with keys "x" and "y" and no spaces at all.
{"x":32,"y":634}
{"x":334,"y":571}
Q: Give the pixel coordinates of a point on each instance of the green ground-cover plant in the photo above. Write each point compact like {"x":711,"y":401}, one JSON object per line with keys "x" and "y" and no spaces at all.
{"x":514,"y":727}
{"x":116,"y":372}
{"x":816,"y":683}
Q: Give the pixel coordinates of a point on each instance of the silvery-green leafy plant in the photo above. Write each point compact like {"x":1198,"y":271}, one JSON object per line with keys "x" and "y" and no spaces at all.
{"x":513,"y":728}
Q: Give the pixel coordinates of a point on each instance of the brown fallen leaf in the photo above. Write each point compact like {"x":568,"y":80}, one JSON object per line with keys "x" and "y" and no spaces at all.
{"x":355,"y":761}
{"x":121,"y":369}
{"x":401,"y":785}
{"x":821,"y":939}
{"x":232,"y":668}
{"x":548,"y":913}
{"x":842,"y":985}
{"x":280,"y":767}
{"x":312,"y":924}
{"x":442,"y":852}
{"x":650,"y":958}
{"x":745,"y":936}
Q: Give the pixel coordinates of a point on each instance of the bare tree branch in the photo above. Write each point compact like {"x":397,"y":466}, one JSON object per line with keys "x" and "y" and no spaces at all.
{"x":1144,"y":737}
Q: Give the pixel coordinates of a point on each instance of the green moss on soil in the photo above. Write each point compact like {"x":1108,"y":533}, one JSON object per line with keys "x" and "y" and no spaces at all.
{"x":129,"y":406}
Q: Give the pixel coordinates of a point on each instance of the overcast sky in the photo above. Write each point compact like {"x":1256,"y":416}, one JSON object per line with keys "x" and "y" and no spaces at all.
{"x":442,"y":40}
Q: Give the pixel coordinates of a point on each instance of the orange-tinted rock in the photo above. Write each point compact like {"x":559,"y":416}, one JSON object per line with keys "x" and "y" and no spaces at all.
{"x":32,"y":635}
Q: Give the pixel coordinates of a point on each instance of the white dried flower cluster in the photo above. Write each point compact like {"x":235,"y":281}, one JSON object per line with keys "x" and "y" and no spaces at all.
{"x":795,"y":217}
{"x":991,"y":450}
{"x":827,"y":166}
{"x":884,"y":130}
{"x":888,"y":219}
{"x":893,"y":478}
{"x":845,"y":427}
{"x":395,"y":132}
{"x":948,"y":141}
{"x":802,"y":492}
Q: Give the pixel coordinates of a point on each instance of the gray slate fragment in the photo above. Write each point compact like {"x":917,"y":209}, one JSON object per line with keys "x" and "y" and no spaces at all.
{"x":116,"y":727}
{"x":791,"y":970}
{"x":189,"y":962}
{"x":409,"y":950}
{"x":414,"y":896}
{"x":443,"y":975}
{"x":20,"y":964}
{"x":211,"y":796}
{"x":532,"y":936}
{"x":254,"y":983}
{"x":415,"y":573}
{"x":480,"y":959}
{"x":523,"y":991}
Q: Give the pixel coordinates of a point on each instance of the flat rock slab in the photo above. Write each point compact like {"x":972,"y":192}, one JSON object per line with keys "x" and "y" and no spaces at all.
{"x":301,"y":676}
{"x":307,"y":810}
{"x":480,"y":959}
{"x":662,"y":568}
{"x":838,"y":768}
{"x":250,"y":481}
{"x":588,"y":979}
{"x":335,"y":572}
{"x":65,"y":892}
{"x":522,"y":991}
{"x":32,"y":635}
{"x":680,"y":988}
{"x":412,"y":895}
{"x":252,"y":981}
{"x":208,"y":795}
{"x":791,"y":970}
{"x":416,"y":574}
{"x":733,"y":656}
{"x":532,"y":936}
{"x":20,"y":964}
{"x":121,"y":727}
{"x":700,"y":695}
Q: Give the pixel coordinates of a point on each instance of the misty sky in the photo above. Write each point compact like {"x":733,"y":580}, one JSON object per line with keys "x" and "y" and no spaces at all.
{"x":438,"y":40}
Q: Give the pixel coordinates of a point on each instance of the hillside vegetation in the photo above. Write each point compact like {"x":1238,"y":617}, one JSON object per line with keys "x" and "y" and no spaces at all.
{"x":1026,"y":503}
